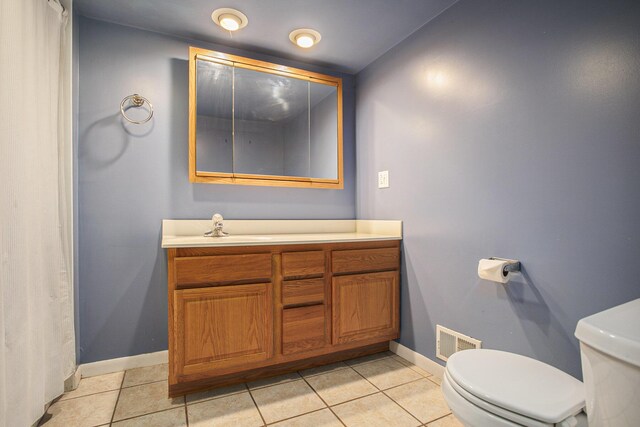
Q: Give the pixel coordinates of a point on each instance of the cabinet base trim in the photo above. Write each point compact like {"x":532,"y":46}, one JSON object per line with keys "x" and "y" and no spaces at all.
{"x":271,"y":371}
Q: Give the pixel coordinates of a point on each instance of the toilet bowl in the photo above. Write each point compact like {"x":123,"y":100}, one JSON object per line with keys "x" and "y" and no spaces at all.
{"x":500,"y":389}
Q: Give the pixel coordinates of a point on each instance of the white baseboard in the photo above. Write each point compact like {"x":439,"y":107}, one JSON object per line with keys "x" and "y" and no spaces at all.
{"x":149,"y":359}
{"x":417,"y":359}
{"x":73,"y":381}
{"x":123,"y":363}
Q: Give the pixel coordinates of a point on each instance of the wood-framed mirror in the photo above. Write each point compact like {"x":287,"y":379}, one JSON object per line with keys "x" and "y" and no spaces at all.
{"x":258,"y":123}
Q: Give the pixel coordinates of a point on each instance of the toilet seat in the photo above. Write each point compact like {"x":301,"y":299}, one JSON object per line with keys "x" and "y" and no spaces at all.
{"x":511,"y":418}
{"x":475,"y":416}
{"x":513,"y":387}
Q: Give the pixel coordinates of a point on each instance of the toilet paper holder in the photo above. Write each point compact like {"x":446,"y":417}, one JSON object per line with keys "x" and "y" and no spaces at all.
{"x":512,"y":267}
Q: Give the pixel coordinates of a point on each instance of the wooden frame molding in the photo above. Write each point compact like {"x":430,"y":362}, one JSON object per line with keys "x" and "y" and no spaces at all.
{"x":197,"y":176}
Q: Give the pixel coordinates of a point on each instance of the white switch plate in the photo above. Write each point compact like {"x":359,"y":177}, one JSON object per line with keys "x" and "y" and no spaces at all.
{"x":383,"y":179}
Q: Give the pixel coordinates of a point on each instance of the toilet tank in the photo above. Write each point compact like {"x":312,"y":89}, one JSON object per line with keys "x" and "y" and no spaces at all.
{"x":610,"y":353}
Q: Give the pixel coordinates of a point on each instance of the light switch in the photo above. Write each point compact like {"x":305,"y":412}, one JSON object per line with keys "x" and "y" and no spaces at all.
{"x":383,"y":179}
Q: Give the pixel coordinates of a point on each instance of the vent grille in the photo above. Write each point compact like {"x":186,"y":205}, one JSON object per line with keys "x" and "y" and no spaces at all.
{"x":449,"y":342}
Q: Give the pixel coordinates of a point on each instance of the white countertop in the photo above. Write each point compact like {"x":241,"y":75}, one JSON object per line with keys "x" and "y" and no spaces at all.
{"x":190,"y":233}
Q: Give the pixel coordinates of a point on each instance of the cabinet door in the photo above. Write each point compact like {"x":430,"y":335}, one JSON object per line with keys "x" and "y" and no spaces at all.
{"x":222,"y":327}
{"x":365,"y":306}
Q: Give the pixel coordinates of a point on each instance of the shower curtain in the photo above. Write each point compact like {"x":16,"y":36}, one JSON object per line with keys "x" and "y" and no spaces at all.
{"x":37,"y":346}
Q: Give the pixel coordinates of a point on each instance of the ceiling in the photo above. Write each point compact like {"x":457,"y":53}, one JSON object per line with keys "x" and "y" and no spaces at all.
{"x":354,"y":32}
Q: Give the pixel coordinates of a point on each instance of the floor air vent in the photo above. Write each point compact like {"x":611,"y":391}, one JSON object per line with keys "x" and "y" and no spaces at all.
{"x":449,"y":342}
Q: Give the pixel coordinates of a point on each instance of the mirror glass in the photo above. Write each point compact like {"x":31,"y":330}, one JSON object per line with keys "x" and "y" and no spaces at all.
{"x":257,"y":123}
{"x":214,"y":121}
{"x":271,"y":122}
{"x":323,"y":156}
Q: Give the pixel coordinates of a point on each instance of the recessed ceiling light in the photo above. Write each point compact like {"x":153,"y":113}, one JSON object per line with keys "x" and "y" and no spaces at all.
{"x":305,"y":37}
{"x":229,"y":19}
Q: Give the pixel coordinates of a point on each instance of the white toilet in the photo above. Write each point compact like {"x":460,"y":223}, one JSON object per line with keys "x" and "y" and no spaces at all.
{"x":491,"y":388}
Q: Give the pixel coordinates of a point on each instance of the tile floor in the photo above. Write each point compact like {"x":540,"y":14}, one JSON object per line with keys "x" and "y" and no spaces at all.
{"x":377,"y":390}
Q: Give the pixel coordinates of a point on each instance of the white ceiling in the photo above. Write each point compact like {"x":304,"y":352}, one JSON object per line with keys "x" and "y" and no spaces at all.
{"x":354,"y":32}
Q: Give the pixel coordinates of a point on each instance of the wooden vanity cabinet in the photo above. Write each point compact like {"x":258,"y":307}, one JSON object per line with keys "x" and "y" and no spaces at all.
{"x":242,"y":313}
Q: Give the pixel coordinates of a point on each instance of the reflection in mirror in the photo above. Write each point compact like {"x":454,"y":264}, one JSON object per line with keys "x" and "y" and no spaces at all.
{"x":214,"y":129}
{"x":323,"y":100}
{"x":271,"y":124}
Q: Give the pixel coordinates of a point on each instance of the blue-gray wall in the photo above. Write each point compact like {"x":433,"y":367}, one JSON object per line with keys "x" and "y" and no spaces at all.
{"x":510,"y":129}
{"x":131,"y":177}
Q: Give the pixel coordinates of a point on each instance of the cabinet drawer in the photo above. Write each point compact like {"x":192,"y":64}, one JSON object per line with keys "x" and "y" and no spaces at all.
{"x":222,"y":268}
{"x":360,"y":260}
{"x":298,"y":292}
{"x":303,"y":329}
{"x":297,"y":264}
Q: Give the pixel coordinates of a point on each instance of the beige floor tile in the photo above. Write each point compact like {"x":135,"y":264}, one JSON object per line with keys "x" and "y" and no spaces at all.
{"x":324,"y":369}
{"x":286,"y":400}
{"x":280,"y":379}
{"x":86,"y":411}
{"x":423,"y":399}
{"x":148,"y":374}
{"x":401,"y":360}
{"x":421,"y":371}
{"x":322,"y":418}
{"x":144,"y":399}
{"x":97,"y":384}
{"x":369,"y":358}
{"x":387,"y":373}
{"x":416,"y":368}
{"x":436,"y":379}
{"x":237,"y":410}
{"x":374,"y":411}
{"x":215,"y":393}
{"x":449,"y":421}
{"x":339,"y":386}
{"x":171,"y":418}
